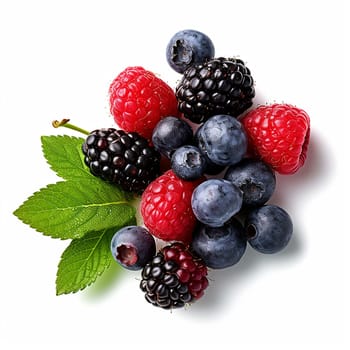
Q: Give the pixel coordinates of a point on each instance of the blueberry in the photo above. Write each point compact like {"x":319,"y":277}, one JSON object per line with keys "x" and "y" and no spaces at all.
{"x":255,"y":178}
{"x":222,"y":139}
{"x":268,"y":228}
{"x":188,"y":163}
{"x":220,"y":247}
{"x":133,"y":247}
{"x":171,"y":133}
{"x":188,"y":47}
{"x":210,"y":168}
{"x":215,"y":201}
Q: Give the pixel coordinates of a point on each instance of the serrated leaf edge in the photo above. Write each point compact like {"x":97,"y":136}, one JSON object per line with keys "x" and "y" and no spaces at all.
{"x":128,"y":197}
{"x":61,"y":292}
{"x":28,"y":222}
{"x":84,"y":170}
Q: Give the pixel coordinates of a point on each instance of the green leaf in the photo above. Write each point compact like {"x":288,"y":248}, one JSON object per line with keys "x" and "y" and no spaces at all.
{"x":65,"y":157}
{"x":70,"y":209}
{"x":84,"y":260}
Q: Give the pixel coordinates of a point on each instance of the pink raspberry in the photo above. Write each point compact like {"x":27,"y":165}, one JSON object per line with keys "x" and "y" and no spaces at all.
{"x":279,"y":134}
{"x":166,"y":208}
{"x":139,"y":99}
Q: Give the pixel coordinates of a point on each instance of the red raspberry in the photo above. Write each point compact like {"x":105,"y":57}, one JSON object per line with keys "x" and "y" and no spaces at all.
{"x":279,"y":134}
{"x":166,"y":208}
{"x":138,"y":100}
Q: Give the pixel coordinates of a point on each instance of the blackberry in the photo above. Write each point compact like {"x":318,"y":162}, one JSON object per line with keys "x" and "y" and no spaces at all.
{"x":174,"y":277}
{"x":218,"y":86}
{"x":125,"y":159}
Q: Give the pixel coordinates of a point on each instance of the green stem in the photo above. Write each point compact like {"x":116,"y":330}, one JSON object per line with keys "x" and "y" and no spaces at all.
{"x":66,"y":124}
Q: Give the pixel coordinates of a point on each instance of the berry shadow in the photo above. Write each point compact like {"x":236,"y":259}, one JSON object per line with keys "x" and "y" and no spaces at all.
{"x":104,"y":283}
{"x":226,"y":285}
{"x":315,"y":173}
{"x":259,"y":99}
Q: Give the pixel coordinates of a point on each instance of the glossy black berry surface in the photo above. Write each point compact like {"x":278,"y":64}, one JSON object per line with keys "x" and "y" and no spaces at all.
{"x":174,"y":277}
{"x":162,"y":286}
{"x":122,"y":158}
{"x":218,"y":86}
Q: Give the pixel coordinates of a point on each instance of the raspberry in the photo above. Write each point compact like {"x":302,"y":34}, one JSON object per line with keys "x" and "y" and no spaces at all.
{"x":125,"y":159}
{"x":166,"y":208}
{"x":174,"y":277}
{"x":139,"y":99}
{"x":279,"y":134}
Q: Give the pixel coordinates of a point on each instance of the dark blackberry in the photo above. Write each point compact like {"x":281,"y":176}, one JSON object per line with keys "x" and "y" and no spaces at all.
{"x":218,"y":86}
{"x":174,"y":277}
{"x":122,"y":158}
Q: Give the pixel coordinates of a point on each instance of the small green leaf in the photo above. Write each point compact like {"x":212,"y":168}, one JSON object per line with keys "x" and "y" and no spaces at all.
{"x":84,"y":260}
{"x":65,"y":157}
{"x":70,"y":209}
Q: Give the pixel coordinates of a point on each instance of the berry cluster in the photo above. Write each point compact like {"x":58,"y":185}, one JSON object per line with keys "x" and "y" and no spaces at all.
{"x":125,"y":159}
{"x":212,"y":199}
{"x":217,"y":86}
{"x":173,"y":277}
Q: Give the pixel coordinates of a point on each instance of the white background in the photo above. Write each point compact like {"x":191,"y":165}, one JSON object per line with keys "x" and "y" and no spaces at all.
{"x":57,"y":60}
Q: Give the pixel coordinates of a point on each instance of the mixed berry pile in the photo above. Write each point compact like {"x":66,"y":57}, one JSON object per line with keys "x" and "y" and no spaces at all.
{"x":211,"y":201}
{"x":202,"y":160}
